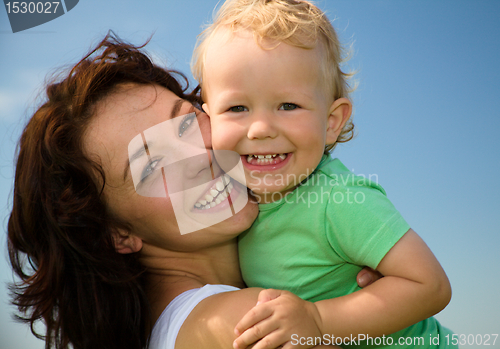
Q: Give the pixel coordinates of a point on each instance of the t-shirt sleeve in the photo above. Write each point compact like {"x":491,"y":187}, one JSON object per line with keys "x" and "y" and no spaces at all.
{"x":362,"y":225}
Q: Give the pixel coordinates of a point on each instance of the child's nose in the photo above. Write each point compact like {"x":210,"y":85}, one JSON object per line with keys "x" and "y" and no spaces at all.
{"x":262,"y":126}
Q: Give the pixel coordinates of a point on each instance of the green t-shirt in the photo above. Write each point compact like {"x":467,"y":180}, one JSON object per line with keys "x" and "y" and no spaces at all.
{"x":315,"y":240}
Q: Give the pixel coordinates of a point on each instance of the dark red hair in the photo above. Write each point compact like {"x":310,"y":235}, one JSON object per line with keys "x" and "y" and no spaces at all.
{"x":60,"y":230}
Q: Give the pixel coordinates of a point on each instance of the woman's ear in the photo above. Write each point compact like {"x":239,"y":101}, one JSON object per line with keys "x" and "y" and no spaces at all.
{"x":340,"y":112}
{"x":125,"y":242}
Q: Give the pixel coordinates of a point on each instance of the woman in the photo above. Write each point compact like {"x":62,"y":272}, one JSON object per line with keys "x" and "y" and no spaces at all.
{"x":99,"y":263}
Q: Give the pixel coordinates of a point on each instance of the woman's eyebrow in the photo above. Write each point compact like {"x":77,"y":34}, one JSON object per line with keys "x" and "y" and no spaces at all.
{"x":137,"y":154}
{"x":177,"y":107}
{"x":173,"y":113}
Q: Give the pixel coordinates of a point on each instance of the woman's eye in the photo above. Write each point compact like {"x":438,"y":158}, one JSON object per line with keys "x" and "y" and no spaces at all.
{"x":288,"y":106}
{"x":238,"y":109}
{"x":149,"y":169}
{"x":185,"y":123}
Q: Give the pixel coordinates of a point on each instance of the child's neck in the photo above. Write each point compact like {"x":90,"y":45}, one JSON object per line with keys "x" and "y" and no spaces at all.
{"x":267,"y":198}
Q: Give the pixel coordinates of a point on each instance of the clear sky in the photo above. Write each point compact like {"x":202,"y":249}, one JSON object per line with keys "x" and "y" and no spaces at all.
{"x":427,"y":114}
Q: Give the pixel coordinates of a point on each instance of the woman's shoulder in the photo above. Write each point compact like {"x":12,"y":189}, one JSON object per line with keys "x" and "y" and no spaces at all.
{"x":211,"y":322}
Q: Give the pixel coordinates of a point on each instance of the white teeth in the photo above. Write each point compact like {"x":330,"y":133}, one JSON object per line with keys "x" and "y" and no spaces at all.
{"x":218,"y":193}
{"x":268,"y":156}
{"x":265,"y":159}
{"x":219,"y":186}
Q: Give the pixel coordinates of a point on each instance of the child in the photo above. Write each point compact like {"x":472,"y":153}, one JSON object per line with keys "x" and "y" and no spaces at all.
{"x":271,"y":79}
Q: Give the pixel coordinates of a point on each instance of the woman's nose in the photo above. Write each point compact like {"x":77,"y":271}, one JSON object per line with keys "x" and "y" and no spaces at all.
{"x":192,"y":171}
{"x":262,"y":126}
{"x":199,"y":167}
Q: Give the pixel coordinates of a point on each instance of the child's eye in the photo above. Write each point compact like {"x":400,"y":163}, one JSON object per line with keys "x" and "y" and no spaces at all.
{"x":238,"y":109}
{"x":185,"y":123}
{"x":288,"y":106}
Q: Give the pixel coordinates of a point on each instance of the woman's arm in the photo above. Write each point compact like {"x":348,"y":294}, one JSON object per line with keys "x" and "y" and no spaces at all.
{"x":211,"y":323}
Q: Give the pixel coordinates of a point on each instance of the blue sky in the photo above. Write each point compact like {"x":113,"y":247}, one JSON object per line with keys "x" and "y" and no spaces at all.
{"x":427,"y":114}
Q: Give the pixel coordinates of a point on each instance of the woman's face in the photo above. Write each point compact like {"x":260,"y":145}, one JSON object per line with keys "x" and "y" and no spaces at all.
{"x":158,"y":172}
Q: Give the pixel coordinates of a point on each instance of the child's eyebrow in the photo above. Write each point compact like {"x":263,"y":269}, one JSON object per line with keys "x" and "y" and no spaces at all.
{"x":294,"y":94}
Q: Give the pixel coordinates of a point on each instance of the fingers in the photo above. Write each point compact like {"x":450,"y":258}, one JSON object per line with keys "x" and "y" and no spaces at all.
{"x":367,"y":276}
{"x":254,"y":316}
{"x":268,"y":295}
{"x":276,"y":317}
{"x":257,"y":327}
{"x":270,"y":341}
{"x":257,"y":313}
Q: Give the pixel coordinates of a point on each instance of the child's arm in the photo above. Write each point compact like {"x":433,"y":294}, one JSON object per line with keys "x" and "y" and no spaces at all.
{"x":414,"y":288}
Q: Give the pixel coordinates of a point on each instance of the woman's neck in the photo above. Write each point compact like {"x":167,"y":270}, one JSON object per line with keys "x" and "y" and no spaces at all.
{"x":171,"y":273}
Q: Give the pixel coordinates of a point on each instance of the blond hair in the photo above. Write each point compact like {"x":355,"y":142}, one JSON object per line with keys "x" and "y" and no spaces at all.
{"x":295,"y":22}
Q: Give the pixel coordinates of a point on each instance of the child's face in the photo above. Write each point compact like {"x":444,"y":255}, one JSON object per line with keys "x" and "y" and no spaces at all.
{"x":270,"y":104}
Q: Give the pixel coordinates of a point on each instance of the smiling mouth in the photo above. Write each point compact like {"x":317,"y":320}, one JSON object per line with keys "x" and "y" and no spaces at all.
{"x":216,"y":194}
{"x":269,"y":159}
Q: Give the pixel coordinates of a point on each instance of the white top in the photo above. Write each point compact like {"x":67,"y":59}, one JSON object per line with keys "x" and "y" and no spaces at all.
{"x":171,"y":319}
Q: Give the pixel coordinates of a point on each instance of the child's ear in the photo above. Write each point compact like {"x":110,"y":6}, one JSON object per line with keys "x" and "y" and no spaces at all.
{"x":340,"y":112}
{"x":205,"y":109}
{"x":125,"y":242}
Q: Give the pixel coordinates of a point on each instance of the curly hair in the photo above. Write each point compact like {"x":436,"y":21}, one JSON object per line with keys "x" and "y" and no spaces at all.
{"x":295,"y":22}
{"x":60,"y":230}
